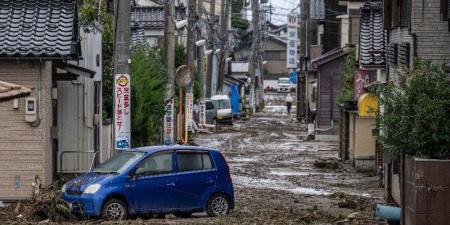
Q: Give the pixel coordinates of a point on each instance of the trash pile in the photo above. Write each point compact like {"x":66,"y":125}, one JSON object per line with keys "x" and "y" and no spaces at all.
{"x":45,"y":205}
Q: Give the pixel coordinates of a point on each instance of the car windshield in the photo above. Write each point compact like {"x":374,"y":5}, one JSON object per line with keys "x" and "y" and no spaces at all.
{"x":222,"y":104}
{"x":284,"y":81}
{"x":118,"y":163}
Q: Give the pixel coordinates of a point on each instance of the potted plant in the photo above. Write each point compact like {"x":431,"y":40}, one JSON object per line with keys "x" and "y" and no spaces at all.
{"x":415,"y":128}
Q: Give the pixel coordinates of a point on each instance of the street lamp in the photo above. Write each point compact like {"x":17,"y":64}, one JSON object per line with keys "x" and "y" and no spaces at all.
{"x":200,"y":42}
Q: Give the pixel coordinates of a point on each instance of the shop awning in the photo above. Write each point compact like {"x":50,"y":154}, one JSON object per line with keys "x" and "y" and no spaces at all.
{"x":9,"y":91}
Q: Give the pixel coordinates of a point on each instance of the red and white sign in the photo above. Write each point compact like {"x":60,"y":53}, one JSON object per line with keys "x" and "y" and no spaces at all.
{"x":361,"y":79}
{"x":168,"y":123}
{"x":189,"y":110}
{"x":291,"y":48}
{"x":202,"y":113}
{"x":122,"y":111}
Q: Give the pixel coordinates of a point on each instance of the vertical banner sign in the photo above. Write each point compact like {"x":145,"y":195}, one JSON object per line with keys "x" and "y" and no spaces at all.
{"x":122,"y":112}
{"x":292,"y":25}
{"x":202,"y":112}
{"x":361,"y":79}
{"x":168,"y":123}
{"x":189,"y":110}
{"x":252,"y":98}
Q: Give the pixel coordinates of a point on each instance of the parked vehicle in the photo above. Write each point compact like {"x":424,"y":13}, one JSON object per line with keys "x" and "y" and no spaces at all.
{"x":284,"y":84}
{"x":159,"y":179}
{"x":223,"y":106}
{"x":210,"y":112}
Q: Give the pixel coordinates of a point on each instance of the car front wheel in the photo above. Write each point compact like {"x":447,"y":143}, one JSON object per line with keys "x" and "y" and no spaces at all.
{"x":114,"y":209}
{"x":218,"y":205}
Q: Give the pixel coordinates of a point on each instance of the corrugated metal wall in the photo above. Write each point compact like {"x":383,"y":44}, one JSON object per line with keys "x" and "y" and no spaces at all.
{"x":75,"y":124}
{"x":76,"y":109}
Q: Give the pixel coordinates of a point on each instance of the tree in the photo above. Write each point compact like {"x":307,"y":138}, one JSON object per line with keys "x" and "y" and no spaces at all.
{"x":148,"y":95}
{"x":345,"y":97}
{"x":416,"y":117}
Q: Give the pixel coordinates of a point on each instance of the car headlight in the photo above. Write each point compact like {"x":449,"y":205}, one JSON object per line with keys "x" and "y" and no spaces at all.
{"x":63,"y":189}
{"x":91,"y":189}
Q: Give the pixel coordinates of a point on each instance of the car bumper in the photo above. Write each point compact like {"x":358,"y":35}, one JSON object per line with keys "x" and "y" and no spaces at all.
{"x":224,"y":118}
{"x":86,"y":204}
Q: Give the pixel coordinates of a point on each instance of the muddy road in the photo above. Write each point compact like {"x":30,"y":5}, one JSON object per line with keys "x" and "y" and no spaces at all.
{"x":281,"y":178}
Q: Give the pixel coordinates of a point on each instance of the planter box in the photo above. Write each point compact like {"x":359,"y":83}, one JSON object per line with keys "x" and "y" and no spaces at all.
{"x":427,"y":192}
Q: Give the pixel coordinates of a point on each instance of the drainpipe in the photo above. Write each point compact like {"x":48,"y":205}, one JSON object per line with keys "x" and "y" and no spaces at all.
{"x":413,"y":35}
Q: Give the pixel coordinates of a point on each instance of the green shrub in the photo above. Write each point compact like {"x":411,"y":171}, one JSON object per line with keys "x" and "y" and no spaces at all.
{"x":345,"y":96}
{"x":416,"y":117}
{"x":148,"y":95}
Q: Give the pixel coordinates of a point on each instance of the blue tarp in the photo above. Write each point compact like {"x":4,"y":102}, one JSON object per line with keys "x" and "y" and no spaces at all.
{"x":235,"y":99}
{"x":293,"y":77}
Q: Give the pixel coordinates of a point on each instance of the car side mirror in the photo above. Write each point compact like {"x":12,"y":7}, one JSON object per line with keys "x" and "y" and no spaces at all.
{"x":132,"y":174}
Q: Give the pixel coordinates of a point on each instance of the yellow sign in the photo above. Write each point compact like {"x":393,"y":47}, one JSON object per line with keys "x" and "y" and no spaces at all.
{"x":122,"y":81}
{"x":368,"y":105}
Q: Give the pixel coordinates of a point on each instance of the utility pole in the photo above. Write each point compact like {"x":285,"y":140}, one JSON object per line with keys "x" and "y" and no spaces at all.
{"x":304,"y":53}
{"x":169,"y":60}
{"x":122,"y":37}
{"x":254,"y":57}
{"x":122,"y":119}
{"x":201,"y":55}
{"x":190,"y":53}
{"x":211,"y":40}
{"x":223,"y":42}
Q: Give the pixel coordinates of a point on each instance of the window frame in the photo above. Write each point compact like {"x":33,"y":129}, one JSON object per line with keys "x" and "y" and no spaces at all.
{"x":213,"y":164}
{"x":133,"y":172}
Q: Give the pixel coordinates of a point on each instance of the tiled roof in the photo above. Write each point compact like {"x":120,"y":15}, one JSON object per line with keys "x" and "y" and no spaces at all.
{"x":37,"y":28}
{"x":372,"y":34}
{"x":152,"y":17}
{"x":328,"y":56}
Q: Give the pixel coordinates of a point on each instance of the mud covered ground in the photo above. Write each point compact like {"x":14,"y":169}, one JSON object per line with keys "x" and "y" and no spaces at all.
{"x":280,"y":178}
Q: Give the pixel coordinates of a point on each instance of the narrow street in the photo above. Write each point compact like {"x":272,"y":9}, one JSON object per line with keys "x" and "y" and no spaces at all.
{"x":280,"y":178}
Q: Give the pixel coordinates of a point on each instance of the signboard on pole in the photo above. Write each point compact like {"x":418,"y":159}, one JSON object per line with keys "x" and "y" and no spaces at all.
{"x":202,"y":115}
{"x":168,"y":123}
{"x":122,"y":112}
{"x":189,"y":110}
{"x":292,"y":25}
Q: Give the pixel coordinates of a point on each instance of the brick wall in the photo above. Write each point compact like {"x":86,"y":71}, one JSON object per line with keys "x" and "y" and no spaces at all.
{"x":25,"y":151}
{"x":433,"y":37}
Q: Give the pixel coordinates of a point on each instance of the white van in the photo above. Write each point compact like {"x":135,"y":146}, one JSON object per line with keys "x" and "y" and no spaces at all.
{"x":284,"y":84}
{"x":223,"y":106}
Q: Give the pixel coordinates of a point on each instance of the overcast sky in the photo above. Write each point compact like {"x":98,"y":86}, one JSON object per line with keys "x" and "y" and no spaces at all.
{"x":280,"y":9}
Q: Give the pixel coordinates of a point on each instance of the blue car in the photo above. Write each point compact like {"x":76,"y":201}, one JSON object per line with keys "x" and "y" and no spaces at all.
{"x":160,"y":179}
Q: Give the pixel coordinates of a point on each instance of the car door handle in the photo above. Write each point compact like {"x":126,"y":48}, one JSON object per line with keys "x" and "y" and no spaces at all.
{"x":210,"y":181}
{"x":170,"y":184}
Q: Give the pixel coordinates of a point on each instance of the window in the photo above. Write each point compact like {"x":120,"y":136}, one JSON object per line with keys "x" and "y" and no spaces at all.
{"x":222,"y":104}
{"x":445,"y":10}
{"x":191,"y":161}
{"x":396,"y":13}
{"x":209,"y":105}
{"x":118,"y":163}
{"x":155,"y":165}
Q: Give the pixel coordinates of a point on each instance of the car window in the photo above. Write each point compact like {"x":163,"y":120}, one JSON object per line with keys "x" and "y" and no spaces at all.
{"x":209,"y":106}
{"x":118,"y":163}
{"x":155,"y":165}
{"x":222,"y":104}
{"x":191,"y":161}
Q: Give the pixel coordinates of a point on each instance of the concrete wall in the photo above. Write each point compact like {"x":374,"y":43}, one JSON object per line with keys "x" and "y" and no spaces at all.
{"x":361,"y":142}
{"x":25,"y":151}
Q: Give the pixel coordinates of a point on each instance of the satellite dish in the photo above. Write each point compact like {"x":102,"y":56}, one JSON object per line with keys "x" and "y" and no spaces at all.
{"x":183,"y":76}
